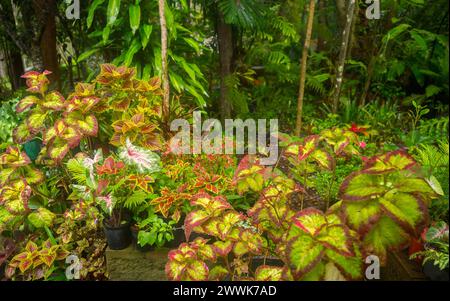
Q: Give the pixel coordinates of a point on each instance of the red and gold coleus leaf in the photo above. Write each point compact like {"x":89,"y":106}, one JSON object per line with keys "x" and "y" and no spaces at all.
{"x":223,"y":248}
{"x":110,"y":167}
{"x":337,"y":238}
{"x":168,"y":199}
{"x":303,"y":254}
{"x":110,"y":74}
{"x":194,"y":219}
{"x":37,"y":82}
{"x":26,"y":103}
{"x":360,"y":186}
{"x":310,"y":220}
{"x":212,"y":205}
{"x":301,"y":150}
{"x":36,"y":119}
{"x":226,"y":223}
{"x":32,"y":175}
{"x":175,"y":269}
{"x":395,"y":160}
{"x":268,"y":273}
{"x":87,"y":125}
{"x":15,"y":197}
{"x":58,"y":149}
{"x":54,"y":101}
{"x":141,"y":181}
{"x":22,"y":134}
{"x":14,"y":157}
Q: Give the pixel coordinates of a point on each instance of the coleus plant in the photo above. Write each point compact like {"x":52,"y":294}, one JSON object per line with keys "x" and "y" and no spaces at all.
{"x":250,"y":175}
{"x":62,"y":123}
{"x":113,"y":183}
{"x":320,"y":246}
{"x":35,"y":262}
{"x":17,"y":176}
{"x":386,"y":202}
{"x":231,"y":237}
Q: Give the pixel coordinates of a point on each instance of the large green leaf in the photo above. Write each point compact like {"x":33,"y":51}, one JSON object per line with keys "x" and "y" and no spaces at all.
{"x":41,"y":217}
{"x":303,"y":253}
{"x":112,"y":11}
{"x":135,"y":16}
{"x":92,"y":9}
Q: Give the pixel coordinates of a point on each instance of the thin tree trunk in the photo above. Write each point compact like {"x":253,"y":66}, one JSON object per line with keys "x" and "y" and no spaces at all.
{"x":323,"y":23}
{"x":16,"y":68}
{"x":164,"y":64}
{"x":45,"y":11}
{"x":343,"y":54}
{"x":362,"y":100}
{"x":225,"y":39}
{"x":301,"y":92}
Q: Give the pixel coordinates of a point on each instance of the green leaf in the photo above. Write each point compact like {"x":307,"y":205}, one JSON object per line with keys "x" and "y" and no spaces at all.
{"x":352,"y":266}
{"x":135,"y":17}
{"x":41,"y":217}
{"x":105,"y":34}
{"x":218,"y":272}
{"x":91,"y":12}
{"x":145,"y":31}
{"x":87,"y":54}
{"x":268,"y":273}
{"x":112,"y":11}
{"x":135,"y":47}
{"x":303,"y":254}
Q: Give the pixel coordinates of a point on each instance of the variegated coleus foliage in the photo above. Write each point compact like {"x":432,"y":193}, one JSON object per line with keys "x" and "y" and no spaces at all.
{"x":115,"y":181}
{"x":61,"y":122}
{"x":387,"y":202}
{"x":250,"y":175}
{"x":320,"y":246}
{"x":17,"y":176}
{"x":116,"y":102}
{"x":135,"y":104}
{"x":34,"y":262}
{"x":191,"y":175}
{"x":230,"y":236}
{"x":311,"y":245}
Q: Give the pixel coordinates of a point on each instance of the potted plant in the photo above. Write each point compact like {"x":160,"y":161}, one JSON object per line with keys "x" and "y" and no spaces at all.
{"x":435,"y":253}
{"x":118,"y":184}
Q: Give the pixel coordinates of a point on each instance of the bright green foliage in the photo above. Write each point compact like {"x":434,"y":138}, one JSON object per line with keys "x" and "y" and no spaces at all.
{"x":386,"y":201}
{"x":317,"y":243}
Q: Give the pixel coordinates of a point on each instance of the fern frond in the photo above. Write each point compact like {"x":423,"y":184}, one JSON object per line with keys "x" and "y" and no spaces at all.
{"x":78,"y":171}
{"x":136,"y":199}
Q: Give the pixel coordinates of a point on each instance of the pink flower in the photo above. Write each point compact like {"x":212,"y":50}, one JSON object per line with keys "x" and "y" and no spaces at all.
{"x":362,"y":144}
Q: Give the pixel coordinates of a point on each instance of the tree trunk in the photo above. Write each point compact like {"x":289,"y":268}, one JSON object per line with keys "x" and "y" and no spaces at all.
{"x":225,"y":39}
{"x":340,"y":6}
{"x":301,"y":92}
{"x":343,"y":54}
{"x":15,"y":68}
{"x":323,"y":24}
{"x":164,"y":63}
{"x":45,"y":11}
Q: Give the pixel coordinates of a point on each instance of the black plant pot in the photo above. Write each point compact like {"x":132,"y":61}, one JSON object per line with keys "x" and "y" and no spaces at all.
{"x":118,"y":238}
{"x":433,"y":272}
